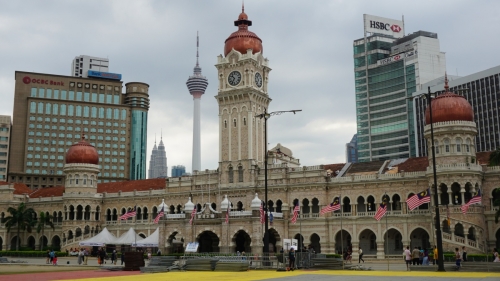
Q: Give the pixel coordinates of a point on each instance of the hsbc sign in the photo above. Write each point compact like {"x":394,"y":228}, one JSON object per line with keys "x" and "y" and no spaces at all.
{"x":374,"y":24}
{"x":397,"y":57}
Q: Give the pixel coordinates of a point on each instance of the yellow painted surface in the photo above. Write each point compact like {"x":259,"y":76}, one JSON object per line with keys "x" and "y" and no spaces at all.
{"x":267,"y":274}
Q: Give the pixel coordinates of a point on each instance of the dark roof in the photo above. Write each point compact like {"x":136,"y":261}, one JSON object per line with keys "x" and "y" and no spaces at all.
{"x":127,"y":186}
{"x":19,"y":188}
{"x":416,"y":164}
{"x":365,"y":167}
{"x":55,"y":191}
{"x":483,"y":158}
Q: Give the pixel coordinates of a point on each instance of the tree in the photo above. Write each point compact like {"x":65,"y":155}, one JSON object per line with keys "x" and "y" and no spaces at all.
{"x":45,"y":219}
{"x":22,"y":218}
{"x":494,"y":158}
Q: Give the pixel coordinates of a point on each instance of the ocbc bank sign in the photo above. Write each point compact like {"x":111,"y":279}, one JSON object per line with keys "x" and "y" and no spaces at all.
{"x":28,"y":80}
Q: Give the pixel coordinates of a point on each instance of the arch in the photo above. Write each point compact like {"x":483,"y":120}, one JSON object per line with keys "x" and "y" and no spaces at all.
{"x":59,"y":217}
{"x":172,"y":209}
{"x":31,"y":242}
{"x":155,"y":211}
{"x":142,"y":235}
{"x":108,"y":215}
{"x":469,"y":190}
{"x":471,"y":234}
{"x":270,"y":205}
{"x":315,"y":205}
{"x":213,"y":206}
{"x":13,"y":242}
{"x":97,"y":215}
{"x":279,"y":203}
{"x":86,"y":229}
{"x":497,"y":236}
{"x":78,"y":232}
{"x":368,"y":241}
{"x":274,"y":240}
{"x":174,"y":245}
{"x":361,"y":204}
{"x":300,"y":240}
{"x":43,"y":241}
{"x":208,"y":242}
{"x":198,"y":207}
{"x":79,"y":212}
{"x":315,"y":243}
{"x":393,"y":242}
{"x":86,"y":215}
{"x":459,"y":230}
{"x":446,"y":226}
{"x":240,"y":173}
{"x":396,"y":202}
{"x":239,"y":206}
{"x":419,"y":237}
{"x":71,"y":212}
{"x":1,"y":243}
{"x":70,"y":234}
{"x":456,"y":196}
{"x":343,"y":241}
{"x":346,"y":205}
{"x":230,"y":174}
{"x":445,"y":199}
{"x":242,"y":241}
{"x":370,"y":203}
{"x":386,"y":198}
{"x":56,"y":243}
{"x":305,"y":206}
{"x":138,"y":213}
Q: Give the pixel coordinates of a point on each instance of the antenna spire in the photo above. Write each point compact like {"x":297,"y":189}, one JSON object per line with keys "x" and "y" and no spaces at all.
{"x":242,"y":6}
{"x":197,"y":47}
{"x":446,"y":87}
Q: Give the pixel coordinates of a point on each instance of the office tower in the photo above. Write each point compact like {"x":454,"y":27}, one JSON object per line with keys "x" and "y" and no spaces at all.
{"x":482,"y":91}
{"x":178,"y":171}
{"x":5,"y":127}
{"x":389,"y":67}
{"x":197,"y":84}
{"x":158,"y":163}
{"x":51,"y":112}
{"x":351,"y":150}
{"x":81,"y":65}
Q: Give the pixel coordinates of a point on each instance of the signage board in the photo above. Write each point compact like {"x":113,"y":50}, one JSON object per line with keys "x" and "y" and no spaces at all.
{"x":396,"y":58}
{"x":289,"y":243}
{"x":374,"y":24}
{"x":192,"y":247}
{"x":105,"y":75}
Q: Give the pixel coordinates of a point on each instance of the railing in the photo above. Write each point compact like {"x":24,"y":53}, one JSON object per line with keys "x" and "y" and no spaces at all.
{"x":240,"y":213}
{"x":176,"y":216}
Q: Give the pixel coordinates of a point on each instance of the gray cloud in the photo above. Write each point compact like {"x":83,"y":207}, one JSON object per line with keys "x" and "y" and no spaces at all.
{"x":308,"y":43}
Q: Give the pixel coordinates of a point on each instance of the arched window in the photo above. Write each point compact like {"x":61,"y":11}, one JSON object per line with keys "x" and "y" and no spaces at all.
{"x":278,"y":206}
{"x":225,"y":124}
{"x":436,"y":145}
{"x":459,"y":144}
{"x":234,"y":122}
{"x":446,"y":146}
{"x":240,"y":173}
{"x":467,"y":145}
{"x":85,"y":180}
{"x":230,"y":174}
{"x":244,"y":121}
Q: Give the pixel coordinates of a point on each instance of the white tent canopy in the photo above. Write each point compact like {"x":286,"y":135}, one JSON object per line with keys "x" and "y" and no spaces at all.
{"x":104,"y":237}
{"x":150,"y":241}
{"x":128,"y":238}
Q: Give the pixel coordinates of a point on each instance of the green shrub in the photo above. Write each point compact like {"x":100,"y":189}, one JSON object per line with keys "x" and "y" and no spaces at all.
{"x":30,"y":254}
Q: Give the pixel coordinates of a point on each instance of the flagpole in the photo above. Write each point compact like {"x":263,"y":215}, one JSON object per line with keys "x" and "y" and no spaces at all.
{"x":432,"y":222}
{"x":301,"y":238}
{"x":341,"y":229}
{"x":387,"y":234}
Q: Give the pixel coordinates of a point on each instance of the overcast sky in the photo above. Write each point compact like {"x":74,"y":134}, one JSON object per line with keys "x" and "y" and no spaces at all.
{"x":308,"y":44}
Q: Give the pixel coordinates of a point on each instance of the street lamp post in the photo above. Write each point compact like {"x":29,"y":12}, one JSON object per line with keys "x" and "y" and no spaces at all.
{"x":439,"y":237}
{"x":266,"y":115}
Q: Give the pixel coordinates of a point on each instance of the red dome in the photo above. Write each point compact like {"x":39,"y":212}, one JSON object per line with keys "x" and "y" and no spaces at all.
{"x":82,"y":152}
{"x":449,"y":107}
{"x":242,"y":40}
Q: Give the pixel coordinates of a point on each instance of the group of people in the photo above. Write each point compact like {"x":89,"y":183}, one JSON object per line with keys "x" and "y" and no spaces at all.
{"x":51,"y":257}
{"x":420,"y":256}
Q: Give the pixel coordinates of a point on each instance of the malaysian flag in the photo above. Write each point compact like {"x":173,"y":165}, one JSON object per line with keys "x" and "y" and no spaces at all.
{"x":131,"y":213}
{"x":419,"y":199}
{"x":227,"y":213}
{"x":193,"y":213}
{"x":262,"y":214}
{"x":474,"y":200}
{"x":296,"y":210}
{"x":160,"y":214}
{"x":335,"y":206}
{"x":382,"y":209}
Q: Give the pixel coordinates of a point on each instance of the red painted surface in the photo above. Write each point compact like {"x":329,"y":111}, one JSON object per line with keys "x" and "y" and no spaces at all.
{"x":47,"y":276}
{"x":242,"y":40}
{"x":82,"y":152}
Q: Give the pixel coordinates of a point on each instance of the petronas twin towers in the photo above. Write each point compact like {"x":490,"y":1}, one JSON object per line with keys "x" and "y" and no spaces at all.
{"x":158,"y":163}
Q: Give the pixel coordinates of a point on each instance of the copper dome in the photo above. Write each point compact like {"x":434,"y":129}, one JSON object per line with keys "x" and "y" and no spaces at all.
{"x":242,"y":39}
{"x":82,"y":152}
{"x":449,"y":107}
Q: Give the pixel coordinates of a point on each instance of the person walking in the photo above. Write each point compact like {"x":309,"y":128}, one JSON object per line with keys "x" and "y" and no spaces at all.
{"x":426,"y":257}
{"x":102,"y":255}
{"x":464,"y":254}
{"x":407,"y":255}
{"x":47,"y":261}
{"x":80,"y":256}
{"x":85,"y":256}
{"x":457,"y":258}
{"x":415,"y":255}
{"x":291,"y":259}
{"x":122,"y":256}
{"x":52,"y":255}
{"x":421,"y":256}
{"x":495,"y":255}
{"x":360,"y":256}
{"x":54,"y":259}
{"x":113,"y":257}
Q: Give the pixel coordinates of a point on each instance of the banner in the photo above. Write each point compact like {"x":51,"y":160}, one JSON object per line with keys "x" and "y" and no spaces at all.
{"x":374,"y":24}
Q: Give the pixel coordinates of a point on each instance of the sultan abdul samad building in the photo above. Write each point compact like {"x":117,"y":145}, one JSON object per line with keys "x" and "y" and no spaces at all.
{"x":81,"y":208}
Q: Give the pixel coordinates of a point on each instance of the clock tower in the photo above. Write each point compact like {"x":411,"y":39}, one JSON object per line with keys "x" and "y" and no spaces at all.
{"x":243,"y":77}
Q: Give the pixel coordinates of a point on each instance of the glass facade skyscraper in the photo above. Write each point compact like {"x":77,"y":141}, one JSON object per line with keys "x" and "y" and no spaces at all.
{"x":178,"y":171}
{"x":387,"y":70}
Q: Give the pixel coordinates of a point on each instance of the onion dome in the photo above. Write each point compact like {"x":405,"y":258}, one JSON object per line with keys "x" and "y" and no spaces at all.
{"x":242,"y":40}
{"x":197,"y":84}
{"x":449,"y":107}
{"x":256,"y":202}
{"x":224,"y":204}
{"x":82,"y":152}
{"x":163,"y":206}
{"x":189,"y":206}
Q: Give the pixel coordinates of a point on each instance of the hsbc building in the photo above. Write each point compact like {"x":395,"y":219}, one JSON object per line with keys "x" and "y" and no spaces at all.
{"x":388,"y":67}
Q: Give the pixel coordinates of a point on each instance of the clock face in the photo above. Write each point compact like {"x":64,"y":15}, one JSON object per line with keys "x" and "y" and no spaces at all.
{"x":258,"y":79}
{"x":234,"y":78}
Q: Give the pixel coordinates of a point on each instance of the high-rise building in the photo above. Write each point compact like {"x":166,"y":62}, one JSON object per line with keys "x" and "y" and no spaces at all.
{"x":388,"y":68}
{"x":5,"y":127}
{"x":81,"y":65}
{"x":351,"y":150}
{"x":197,"y":84}
{"x":51,"y":112}
{"x":178,"y":171}
{"x":482,"y":91}
{"x":158,"y":163}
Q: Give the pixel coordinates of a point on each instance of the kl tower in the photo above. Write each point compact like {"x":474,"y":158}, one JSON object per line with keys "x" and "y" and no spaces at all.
{"x":197,"y":84}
